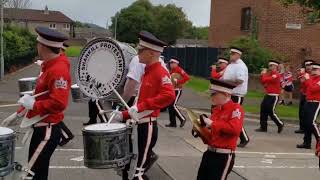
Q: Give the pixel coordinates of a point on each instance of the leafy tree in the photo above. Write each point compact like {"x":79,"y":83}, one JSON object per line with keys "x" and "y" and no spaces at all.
{"x":311,"y":8}
{"x":197,"y":33}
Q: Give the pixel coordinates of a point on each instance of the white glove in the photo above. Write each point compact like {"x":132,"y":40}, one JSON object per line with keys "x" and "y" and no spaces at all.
{"x":207,"y":121}
{"x":133,"y":112}
{"x":39,"y":62}
{"x":274,"y":76}
{"x":117,"y":116}
{"x":27,"y":101}
{"x":307,"y":76}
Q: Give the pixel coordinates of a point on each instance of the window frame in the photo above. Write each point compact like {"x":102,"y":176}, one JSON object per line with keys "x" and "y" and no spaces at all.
{"x":53,"y":26}
{"x":246,"y":19}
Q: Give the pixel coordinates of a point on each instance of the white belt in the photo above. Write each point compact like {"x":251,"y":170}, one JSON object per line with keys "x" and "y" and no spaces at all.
{"x":147,"y":120}
{"x":273,"y":94}
{"x":314,"y":101}
{"x":42,"y":124}
{"x":221,"y":151}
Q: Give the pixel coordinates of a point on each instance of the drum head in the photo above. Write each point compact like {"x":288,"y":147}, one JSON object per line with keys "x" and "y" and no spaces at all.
{"x":5,"y":131}
{"x":28,"y":79}
{"x":105,"y":127}
{"x":101,"y":67}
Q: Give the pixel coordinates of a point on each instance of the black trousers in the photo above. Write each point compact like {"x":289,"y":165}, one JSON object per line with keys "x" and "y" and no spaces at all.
{"x":215,"y":166}
{"x":311,"y":112}
{"x":243,"y":135}
{"x":43,"y":143}
{"x":267,"y":109}
{"x":174,"y":111}
{"x":147,"y":139}
{"x":94,"y":112}
{"x":66,"y":132}
{"x":302,"y":102}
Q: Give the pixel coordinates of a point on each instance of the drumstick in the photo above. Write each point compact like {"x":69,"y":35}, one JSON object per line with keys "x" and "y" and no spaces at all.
{"x":113,"y":115}
{"x":14,"y":105}
{"x":100,"y":110}
{"x":121,"y":99}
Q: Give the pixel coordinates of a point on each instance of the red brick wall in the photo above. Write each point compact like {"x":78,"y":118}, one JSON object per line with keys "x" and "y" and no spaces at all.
{"x":272,"y":18}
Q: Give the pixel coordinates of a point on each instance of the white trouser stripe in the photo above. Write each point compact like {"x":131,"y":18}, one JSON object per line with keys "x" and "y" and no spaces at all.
{"x":64,"y":134}
{"x":150,"y":131}
{"x":175,"y":105}
{"x":314,"y":120}
{"x":225,"y":172}
{"x":40,"y":147}
{"x":245,"y":134}
{"x":273,"y":110}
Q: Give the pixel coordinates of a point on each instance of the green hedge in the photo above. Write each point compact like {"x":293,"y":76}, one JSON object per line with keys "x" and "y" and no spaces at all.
{"x":19,"y":47}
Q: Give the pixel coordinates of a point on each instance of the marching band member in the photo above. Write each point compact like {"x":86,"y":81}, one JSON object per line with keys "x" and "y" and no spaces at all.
{"x":178,"y":84}
{"x":271,"y":83}
{"x":223,"y":63}
{"x":225,"y":125}
{"x":156,"y":92}
{"x":301,"y":73}
{"x":312,"y":106}
{"x":55,"y":79}
{"x":237,"y":73}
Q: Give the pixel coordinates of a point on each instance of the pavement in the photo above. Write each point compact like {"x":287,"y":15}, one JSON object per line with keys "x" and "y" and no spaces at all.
{"x":268,"y":156}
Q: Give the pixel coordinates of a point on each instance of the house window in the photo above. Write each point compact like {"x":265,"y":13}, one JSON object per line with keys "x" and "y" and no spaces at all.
{"x":52,"y":26}
{"x":245,"y":19}
{"x":67,"y":26}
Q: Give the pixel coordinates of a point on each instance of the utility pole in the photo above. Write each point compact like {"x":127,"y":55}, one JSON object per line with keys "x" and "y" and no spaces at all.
{"x":115,"y":27}
{"x":1,"y":34}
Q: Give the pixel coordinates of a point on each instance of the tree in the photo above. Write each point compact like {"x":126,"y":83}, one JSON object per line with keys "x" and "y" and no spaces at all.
{"x":167,"y":22}
{"x":20,"y":4}
{"x":311,"y":8}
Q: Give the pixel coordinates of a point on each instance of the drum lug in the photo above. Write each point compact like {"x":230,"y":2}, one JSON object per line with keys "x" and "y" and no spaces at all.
{"x":18,"y":166}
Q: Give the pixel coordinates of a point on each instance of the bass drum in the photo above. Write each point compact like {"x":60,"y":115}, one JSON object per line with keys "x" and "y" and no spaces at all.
{"x":102,"y":66}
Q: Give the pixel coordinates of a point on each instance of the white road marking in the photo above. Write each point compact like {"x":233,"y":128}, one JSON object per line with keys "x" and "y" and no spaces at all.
{"x":270,"y":156}
{"x":66,"y":150}
{"x":67,"y":167}
{"x":78,"y":159}
{"x":266,"y":161}
{"x":276,"y":167}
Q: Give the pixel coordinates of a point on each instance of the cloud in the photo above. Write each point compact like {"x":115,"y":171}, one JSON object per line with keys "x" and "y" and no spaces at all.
{"x":101,"y":11}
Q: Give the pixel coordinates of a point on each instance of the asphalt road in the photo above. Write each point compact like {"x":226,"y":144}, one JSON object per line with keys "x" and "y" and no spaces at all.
{"x":269,"y":156}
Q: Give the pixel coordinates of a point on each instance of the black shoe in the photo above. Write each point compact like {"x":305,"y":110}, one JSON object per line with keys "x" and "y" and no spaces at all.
{"x":261,"y":130}
{"x":183,"y":123}
{"x":170,"y":125}
{"x":304,"y":146}
{"x":299,"y":131}
{"x":282,"y":102}
{"x":153,"y":158}
{"x":289,"y":104}
{"x":280,"y":128}
{"x":243,"y":144}
{"x":65,"y":141}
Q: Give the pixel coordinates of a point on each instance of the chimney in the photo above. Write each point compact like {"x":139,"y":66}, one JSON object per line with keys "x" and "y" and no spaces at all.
{"x":46,"y":10}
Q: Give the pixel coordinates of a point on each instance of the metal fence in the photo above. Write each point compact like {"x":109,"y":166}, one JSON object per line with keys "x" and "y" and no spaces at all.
{"x":194,"y":60}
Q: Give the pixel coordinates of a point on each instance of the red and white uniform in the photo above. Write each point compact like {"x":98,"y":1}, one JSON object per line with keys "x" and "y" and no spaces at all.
{"x":303,"y":88}
{"x":184,"y":75}
{"x":57,"y":80}
{"x":217,"y":75}
{"x":313,"y":88}
{"x":287,"y":79}
{"x":271,"y":82}
{"x":227,"y":122}
{"x":156,"y":91}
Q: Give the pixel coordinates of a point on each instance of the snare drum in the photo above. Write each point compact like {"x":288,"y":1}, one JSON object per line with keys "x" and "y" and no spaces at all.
{"x":106,"y":146}
{"x":27,"y":84}
{"x":77,"y":95}
{"x":26,"y":92}
{"x":7,"y":147}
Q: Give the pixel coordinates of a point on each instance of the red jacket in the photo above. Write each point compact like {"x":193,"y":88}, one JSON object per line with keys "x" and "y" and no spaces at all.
{"x":226,"y":126}
{"x":55,"y":78}
{"x":156,"y":91}
{"x":217,"y":75}
{"x":313,"y":88}
{"x":184,"y":75}
{"x":271,"y":82}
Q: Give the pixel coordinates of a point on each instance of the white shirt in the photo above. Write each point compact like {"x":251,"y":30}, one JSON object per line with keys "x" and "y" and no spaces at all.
{"x":136,"y":69}
{"x":237,"y":71}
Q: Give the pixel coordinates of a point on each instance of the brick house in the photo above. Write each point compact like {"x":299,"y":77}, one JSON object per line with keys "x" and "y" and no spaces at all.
{"x":281,"y":29}
{"x":30,"y":18}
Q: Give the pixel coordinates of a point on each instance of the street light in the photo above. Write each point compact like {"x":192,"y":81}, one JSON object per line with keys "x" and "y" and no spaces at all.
{"x":1,"y":34}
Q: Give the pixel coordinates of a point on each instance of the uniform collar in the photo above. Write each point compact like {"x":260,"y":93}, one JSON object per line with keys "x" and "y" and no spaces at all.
{"x":152,"y":66}
{"x":49,"y":63}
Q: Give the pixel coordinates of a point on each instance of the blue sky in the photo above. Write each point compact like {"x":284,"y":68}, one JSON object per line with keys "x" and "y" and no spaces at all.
{"x":100,"y":11}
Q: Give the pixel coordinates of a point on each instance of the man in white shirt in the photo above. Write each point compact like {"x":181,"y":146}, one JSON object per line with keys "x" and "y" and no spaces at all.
{"x":237,"y":73}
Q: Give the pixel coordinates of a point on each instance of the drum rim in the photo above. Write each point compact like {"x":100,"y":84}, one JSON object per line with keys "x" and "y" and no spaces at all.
{"x":28,"y":79}
{"x":88,"y":46}
{"x":125,"y":128}
{"x":11,"y":133}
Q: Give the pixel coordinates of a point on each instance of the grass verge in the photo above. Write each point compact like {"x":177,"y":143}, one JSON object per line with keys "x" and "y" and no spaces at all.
{"x":73,"y":51}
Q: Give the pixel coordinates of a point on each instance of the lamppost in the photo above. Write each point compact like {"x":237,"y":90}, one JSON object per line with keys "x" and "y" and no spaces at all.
{"x":1,"y":34}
